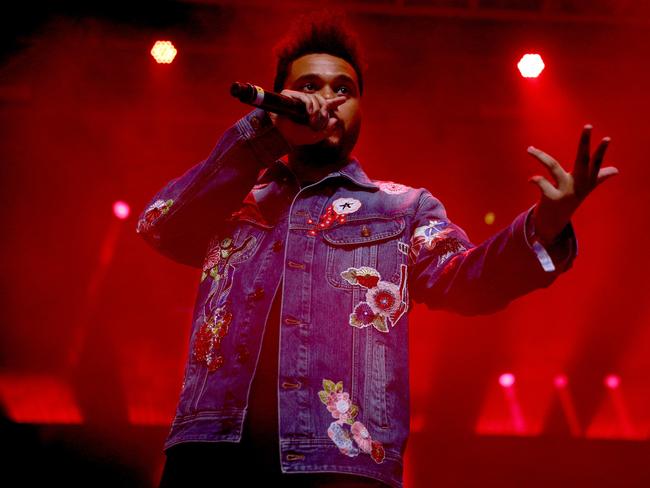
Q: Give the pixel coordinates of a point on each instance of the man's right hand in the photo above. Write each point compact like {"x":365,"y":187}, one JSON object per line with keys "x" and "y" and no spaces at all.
{"x":322,"y":119}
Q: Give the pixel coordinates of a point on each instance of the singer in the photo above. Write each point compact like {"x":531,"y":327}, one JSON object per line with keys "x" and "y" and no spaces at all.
{"x":297,"y":367}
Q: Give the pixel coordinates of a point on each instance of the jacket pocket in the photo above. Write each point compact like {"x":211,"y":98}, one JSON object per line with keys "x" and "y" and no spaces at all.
{"x":366,"y":242}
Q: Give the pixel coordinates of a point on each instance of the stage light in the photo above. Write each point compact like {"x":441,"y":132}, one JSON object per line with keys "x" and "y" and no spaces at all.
{"x":163,"y":52}
{"x":530,"y":65}
{"x":560,"y":381}
{"x":121,"y":209}
{"x":612,"y":381}
{"x":507,"y":380}
{"x":489,"y":218}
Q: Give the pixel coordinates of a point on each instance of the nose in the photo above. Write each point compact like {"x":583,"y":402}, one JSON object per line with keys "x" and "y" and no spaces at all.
{"x":327,"y":92}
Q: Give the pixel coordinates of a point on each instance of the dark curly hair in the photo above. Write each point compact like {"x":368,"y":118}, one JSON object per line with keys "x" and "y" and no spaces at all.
{"x":318,"y":32}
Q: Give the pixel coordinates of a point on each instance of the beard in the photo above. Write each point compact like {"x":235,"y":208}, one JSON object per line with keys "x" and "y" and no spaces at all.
{"x":321,"y":154}
{"x":329,"y":153}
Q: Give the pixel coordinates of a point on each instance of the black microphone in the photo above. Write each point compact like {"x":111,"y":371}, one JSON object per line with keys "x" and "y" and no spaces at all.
{"x":270,"y":101}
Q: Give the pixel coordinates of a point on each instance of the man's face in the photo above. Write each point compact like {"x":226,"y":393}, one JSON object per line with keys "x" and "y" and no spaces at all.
{"x":330,"y":76}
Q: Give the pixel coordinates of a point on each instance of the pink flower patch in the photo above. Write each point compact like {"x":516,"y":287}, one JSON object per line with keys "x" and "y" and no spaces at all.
{"x":357,"y":438}
{"x":384,"y":299}
{"x":385,"y":302}
{"x":392,"y":188}
{"x":362,"y":316}
{"x":339,"y":406}
{"x":361,"y":436}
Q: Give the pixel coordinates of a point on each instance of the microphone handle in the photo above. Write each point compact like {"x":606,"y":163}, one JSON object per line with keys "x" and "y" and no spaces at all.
{"x":270,"y":101}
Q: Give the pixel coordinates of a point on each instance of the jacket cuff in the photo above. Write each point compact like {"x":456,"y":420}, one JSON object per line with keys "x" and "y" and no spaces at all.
{"x":264,"y":138}
{"x":559,"y":255}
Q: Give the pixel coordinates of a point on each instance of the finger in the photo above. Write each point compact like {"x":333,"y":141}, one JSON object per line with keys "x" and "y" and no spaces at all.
{"x":599,"y":154}
{"x":555,"y":169}
{"x":545,"y":186}
{"x":582,"y":158}
{"x":322,"y":103}
{"x":605,"y":174}
{"x":323,"y":113}
{"x":333,"y":103}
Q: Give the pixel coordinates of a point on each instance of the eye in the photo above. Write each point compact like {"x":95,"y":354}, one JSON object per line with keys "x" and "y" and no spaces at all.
{"x":309,"y":86}
{"x":343,"y":89}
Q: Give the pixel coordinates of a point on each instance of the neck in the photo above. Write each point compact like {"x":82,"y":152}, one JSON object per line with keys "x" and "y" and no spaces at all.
{"x":312,"y":166}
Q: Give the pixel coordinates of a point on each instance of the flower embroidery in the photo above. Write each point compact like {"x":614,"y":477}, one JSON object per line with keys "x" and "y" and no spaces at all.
{"x":385,"y":302}
{"x":216,"y":260}
{"x":357,"y":439}
{"x":342,"y":439}
{"x":384,"y":298}
{"x":207,"y":346}
{"x":152,"y":213}
{"x":392,"y":188}
{"x":364,"y":276}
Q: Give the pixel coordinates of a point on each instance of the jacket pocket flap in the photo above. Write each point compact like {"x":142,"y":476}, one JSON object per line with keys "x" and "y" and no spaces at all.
{"x":364,"y":231}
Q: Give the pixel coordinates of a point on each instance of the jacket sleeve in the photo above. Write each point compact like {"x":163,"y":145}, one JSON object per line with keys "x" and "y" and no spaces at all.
{"x":181,"y":218}
{"x":448,"y":272}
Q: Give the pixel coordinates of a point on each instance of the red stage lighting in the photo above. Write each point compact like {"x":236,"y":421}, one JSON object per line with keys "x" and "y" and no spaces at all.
{"x":560,"y":381}
{"x":612,"y":381}
{"x":121,"y":209}
{"x":163,"y":52}
{"x":530,"y":65}
{"x":507,"y":380}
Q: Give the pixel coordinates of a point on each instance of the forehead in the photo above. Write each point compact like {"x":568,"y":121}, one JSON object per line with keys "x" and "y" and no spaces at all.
{"x":321,"y":64}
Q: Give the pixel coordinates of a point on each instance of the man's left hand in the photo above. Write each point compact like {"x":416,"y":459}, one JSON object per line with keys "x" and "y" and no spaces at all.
{"x":557,"y":204}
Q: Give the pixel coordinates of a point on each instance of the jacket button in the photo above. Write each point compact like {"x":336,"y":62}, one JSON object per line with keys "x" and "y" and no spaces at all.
{"x":277,"y":246}
{"x":257,"y":294}
{"x":365,"y":231}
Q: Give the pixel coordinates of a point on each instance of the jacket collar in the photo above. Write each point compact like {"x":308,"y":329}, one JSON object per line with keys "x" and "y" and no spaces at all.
{"x":351,"y":171}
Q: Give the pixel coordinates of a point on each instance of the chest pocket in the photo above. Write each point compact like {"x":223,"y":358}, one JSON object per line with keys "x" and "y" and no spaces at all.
{"x":370,"y":242}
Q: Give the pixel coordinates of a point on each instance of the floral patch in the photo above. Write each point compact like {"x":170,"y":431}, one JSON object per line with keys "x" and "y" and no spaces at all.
{"x":355,"y":440}
{"x":207,"y":346}
{"x":385,"y":302}
{"x":437,"y":237}
{"x":216,"y":260}
{"x":392,"y":188}
{"x":152,"y":213}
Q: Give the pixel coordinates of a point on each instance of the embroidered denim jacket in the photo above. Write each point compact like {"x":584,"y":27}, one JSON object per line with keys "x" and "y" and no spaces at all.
{"x":352,"y":253}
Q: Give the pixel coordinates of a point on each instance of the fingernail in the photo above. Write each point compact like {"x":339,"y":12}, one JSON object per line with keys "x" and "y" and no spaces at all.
{"x":588,"y":126}
{"x":530,"y":149}
{"x":607,"y":139}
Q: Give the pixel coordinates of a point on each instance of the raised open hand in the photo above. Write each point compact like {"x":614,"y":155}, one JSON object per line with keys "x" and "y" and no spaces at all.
{"x":558,"y":202}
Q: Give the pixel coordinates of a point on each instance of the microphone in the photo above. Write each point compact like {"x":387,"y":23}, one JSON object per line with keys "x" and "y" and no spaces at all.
{"x":270,"y":101}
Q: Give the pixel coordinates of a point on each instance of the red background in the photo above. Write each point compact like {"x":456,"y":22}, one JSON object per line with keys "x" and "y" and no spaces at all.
{"x":91,"y":355}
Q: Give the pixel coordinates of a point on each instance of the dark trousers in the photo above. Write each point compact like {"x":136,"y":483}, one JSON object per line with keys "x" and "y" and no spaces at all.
{"x":223,"y":464}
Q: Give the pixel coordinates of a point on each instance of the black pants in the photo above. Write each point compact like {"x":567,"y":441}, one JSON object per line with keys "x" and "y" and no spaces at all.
{"x":224,"y":464}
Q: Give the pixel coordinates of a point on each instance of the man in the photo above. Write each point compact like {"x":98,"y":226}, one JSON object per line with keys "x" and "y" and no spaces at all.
{"x":297,"y":368}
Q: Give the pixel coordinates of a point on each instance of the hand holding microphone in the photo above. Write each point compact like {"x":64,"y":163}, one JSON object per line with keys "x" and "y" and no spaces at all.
{"x":302,"y":118}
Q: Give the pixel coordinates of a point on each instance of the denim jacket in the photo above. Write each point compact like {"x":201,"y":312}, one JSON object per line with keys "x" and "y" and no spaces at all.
{"x":352,"y":255}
